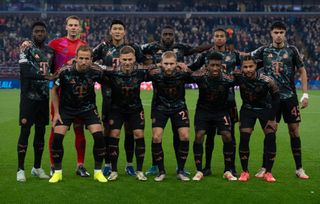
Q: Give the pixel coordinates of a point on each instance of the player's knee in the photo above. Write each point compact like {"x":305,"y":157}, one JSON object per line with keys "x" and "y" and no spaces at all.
{"x":138,"y":134}
{"x":115,"y":133}
{"x":24,"y":135}
{"x":294,"y":131}
{"x":199,"y":136}
{"x":156,"y":138}
{"x":226,"y":136}
{"x":184,"y":136}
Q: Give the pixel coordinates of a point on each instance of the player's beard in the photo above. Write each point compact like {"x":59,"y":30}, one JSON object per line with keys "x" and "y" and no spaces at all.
{"x":83,"y":68}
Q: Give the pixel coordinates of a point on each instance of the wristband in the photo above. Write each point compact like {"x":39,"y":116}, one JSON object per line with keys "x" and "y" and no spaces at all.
{"x":305,"y":95}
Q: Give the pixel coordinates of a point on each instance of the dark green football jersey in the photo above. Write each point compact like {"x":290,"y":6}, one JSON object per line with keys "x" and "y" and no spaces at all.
{"x":108,"y":54}
{"x":77,"y":88}
{"x":257,"y":93}
{"x":213,"y":91}
{"x":35,"y":63}
{"x":169,"y":91}
{"x":125,"y":89}
{"x":281,"y":64}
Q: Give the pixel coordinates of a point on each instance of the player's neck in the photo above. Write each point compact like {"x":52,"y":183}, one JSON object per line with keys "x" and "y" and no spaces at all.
{"x":166,"y":45}
{"x":117,"y":43}
{"x":72,"y":37}
{"x":278,"y":45}
{"x":220,"y":48}
{"x":38,"y":44}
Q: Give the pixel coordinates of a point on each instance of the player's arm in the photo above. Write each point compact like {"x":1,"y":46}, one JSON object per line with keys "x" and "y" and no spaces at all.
{"x":258,"y":56}
{"x":304,"y":85}
{"x":27,"y":70}
{"x":274,"y":92}
{"x":198,"y":49}
{"x":55,"y":102}
{"x":198,"y":63}
{"x":97,"y":52}
{"x":24,"y":45}
{"x":298,"y":62}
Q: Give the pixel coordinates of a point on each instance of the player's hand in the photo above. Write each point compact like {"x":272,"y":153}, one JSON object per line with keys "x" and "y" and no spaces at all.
{"x":242,"y":54}
{"x":52,"y":76}
{"x":304,"y":100}
{"x":272,"y":124}
{"x":26,"y":44}
{"x":70,"y":62}
{"x":183,"y":67}
{"x":55,"y":119}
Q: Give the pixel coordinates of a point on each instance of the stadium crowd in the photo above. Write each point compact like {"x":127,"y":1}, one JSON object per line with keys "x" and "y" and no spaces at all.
{"x":149,"y":5}
{"x":245,"y":34}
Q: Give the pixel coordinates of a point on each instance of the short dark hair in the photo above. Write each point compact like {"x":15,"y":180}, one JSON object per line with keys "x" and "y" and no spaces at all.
{"x":220,"y":29}
{"x":215,"y":56}
{"x":278,"y":25}
{"x":114,"y":22}
{"x":248,"y":58}
{"x":127,"y":49}
{"x":39,"y":23}
{"x":85,"y":48}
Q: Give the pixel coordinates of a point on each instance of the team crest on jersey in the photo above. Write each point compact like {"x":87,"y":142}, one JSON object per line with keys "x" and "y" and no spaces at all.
{"x":228,"y":58}
{"x":285,"y":56}
{"x":270,"y":55}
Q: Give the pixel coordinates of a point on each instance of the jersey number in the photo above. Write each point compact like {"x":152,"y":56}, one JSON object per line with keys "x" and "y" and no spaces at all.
{"x":44,"y":68}
{"x":184,"y":115}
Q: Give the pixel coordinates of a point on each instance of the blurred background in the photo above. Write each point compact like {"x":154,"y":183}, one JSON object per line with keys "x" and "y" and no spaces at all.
{"x":247,"y":23}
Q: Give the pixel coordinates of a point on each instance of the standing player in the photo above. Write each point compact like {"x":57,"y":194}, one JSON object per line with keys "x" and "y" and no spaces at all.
{"x":281,"y":61}
{"x":153,"y":53}
{"x":213,"y":111}
{"x":35,"y":63}
{"x":231,"y":60}
{"x":169,"y":102}
{"x":126,"y":107}
{"x":260,"y":100}
{"x":65,"y":51}
{"x":77,"y":100}
{"x":108,"y":52}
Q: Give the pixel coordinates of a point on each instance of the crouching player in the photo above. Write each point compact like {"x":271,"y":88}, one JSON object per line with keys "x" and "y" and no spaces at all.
{"x":77,"y":100}
{"x":260,"y":100}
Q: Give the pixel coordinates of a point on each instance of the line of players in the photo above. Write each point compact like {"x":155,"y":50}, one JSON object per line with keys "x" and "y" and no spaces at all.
{"x":216,"y":108}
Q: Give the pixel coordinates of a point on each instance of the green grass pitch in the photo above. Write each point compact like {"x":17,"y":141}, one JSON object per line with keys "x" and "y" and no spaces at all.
{"x":213,"y":189}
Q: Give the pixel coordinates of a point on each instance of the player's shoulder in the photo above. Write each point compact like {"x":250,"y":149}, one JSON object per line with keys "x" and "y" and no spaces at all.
{"x":294,"y":49}
{"x":155,"y":70}
{"x":48,"y":49}
{"x":264,"y":77}
{"x":100,"y":45}
{"x":200,"y":72}
{"x":261,"y":49}
{"x":66,"y":69}
{"x":57,"y":40}
{"x":96,"y":67}
{"x":228,"y":77}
